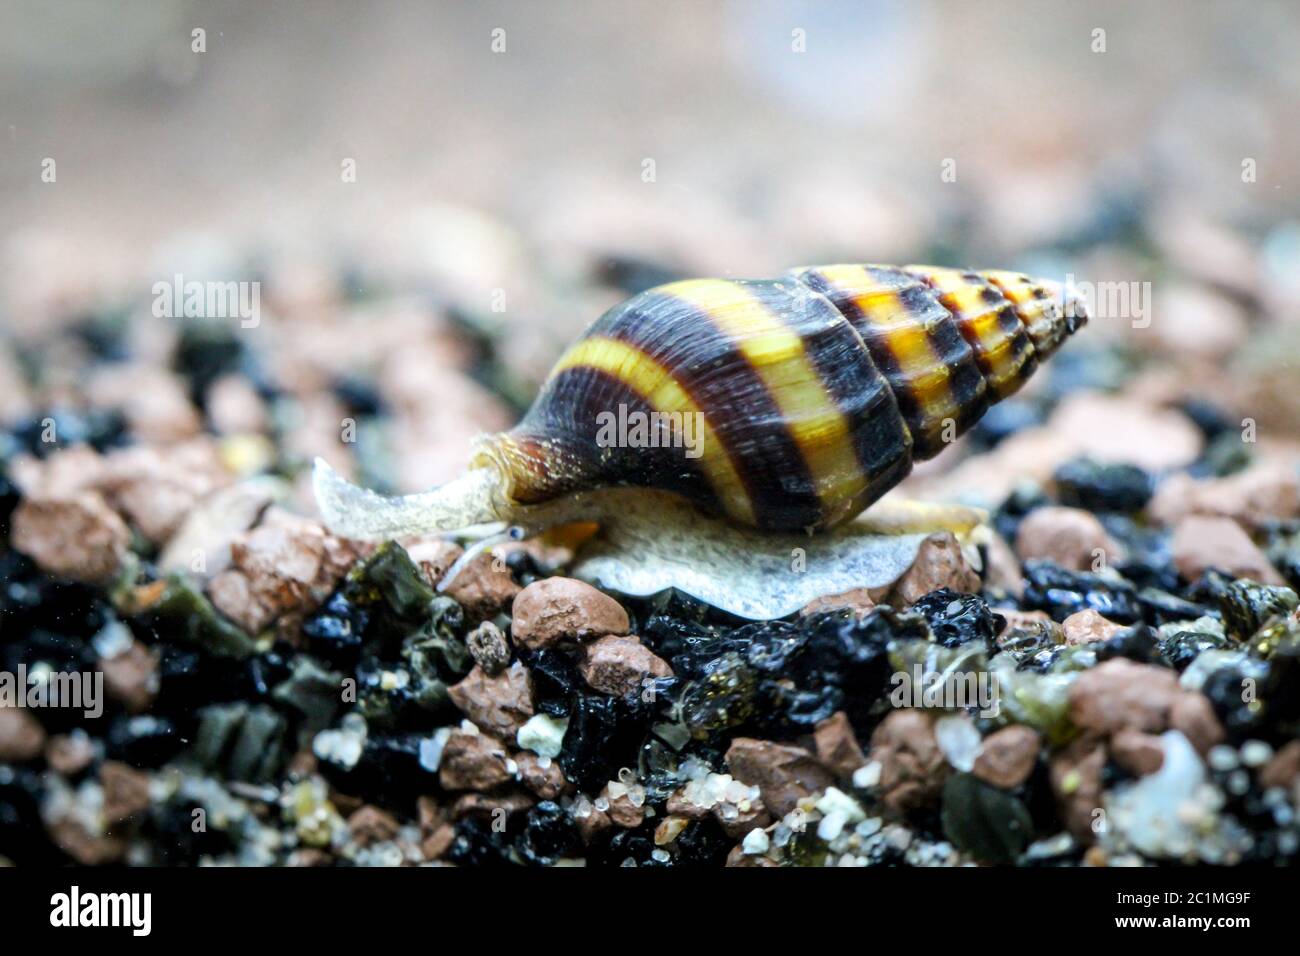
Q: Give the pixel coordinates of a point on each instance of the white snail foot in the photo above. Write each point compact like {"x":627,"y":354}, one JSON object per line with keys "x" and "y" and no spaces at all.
{"x":650,"y":541}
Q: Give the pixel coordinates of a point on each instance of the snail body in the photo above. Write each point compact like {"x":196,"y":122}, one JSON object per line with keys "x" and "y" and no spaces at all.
{"x":811,"y":395}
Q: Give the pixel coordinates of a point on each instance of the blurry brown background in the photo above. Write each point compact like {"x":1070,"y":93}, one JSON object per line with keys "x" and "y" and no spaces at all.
{"x":522,"y":171}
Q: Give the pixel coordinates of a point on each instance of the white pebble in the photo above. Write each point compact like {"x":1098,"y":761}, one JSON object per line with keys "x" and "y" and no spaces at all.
{"x":431,"y":749}
{"x":1256,"y":753}
{"x":835,"y":801}
{"x":543,"y":735}
{"x":832,"y":825}
{"x":1222,"y":758}
{"x":864,"y":778}
{"x":959,"y":740}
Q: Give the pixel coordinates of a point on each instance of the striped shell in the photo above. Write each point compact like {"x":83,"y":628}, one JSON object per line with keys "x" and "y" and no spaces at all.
{"x":812,"y":393}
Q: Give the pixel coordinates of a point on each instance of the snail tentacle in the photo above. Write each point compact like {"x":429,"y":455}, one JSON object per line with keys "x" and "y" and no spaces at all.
{"x":486,"y":543}
{"x":354,"y":512}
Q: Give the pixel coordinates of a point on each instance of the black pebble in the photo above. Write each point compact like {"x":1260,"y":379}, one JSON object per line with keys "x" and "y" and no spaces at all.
{"x":1061,"y":593}
{"x":144,"y":741}
{"x":604,"y":735}
{"x":956,"y":618}
{"x":1005,"y":419}
{"x":1083,"y":483}
{"x":549,"y":834}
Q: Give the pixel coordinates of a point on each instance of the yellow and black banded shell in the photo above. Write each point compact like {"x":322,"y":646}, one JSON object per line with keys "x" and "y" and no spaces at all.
{"x":815,"y":391}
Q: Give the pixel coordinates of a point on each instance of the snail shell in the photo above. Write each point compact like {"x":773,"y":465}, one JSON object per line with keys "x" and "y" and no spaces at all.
{"x":812,"y":393}
{"x":816,"y":390}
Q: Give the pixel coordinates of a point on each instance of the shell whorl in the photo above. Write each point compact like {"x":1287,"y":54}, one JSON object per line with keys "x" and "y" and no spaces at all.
{"x":810,"y":394}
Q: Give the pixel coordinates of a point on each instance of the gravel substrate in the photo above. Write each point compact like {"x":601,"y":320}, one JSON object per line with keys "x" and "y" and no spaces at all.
{"x":1111,"y":680}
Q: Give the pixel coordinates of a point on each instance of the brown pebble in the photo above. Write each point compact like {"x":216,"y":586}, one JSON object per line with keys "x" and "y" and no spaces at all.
{"x":21,"y":735}
{"x":302,"y":764}
{"x":201,"y":546}
{"x":78,"y":536}
{"x":491,"y":807}
{"x":154,"y":400}
{"x":555,"y":609}
{"x":546,"y":782}
{"x":489,"y":647}
{"x":70,"y":835}
{"x":784,"y":773}
{"x":679,"y":805}
{"x":65,"y":472}
{"x":436,"y":844}
{"x":1283,"y":768}
{"x":744,"y":820}
{"x":234,"y":406}
{"x":284,"y":566}
{"x":1002,"y":567}
{"x":131,"y":677}
{"x":155,"y":488}
{"x":436,"y":833}
{"x":309,"y":856}
{"x":1194,"y":716}
{"x":1069,"y":537}
{"x":345,"y":803}
{"x":498,"y":705}
{"x":484,"y":587}
{"x":69,"y":754}
{"x":434,"y":557}
{"x":369,"y":825}
{"x":126,"y":791}
{"x":620,"y":665}
{"x":939,"y":564}
{"x":1138,"y":753}
{"x":1113,"y":428}
{"x":1075,"y":775}
{"x":1261,"y":493}
{"x":429,"y":814}
{"x":472,"y":762}
{"x":1120,"y":694}
{"x":1007,"y":756}
{"x":739,"y":858}
{"x":1095,"y":856}
{"x":1209,"y":326}
{"x":1031,"y":633}
{"x":669,"y":829}
{"x":912,"y":767}
{"x":622,"y":811}
{"x":1084,"y":627}
{"x":592,"y":824}
{"x":857,"y":600}
{"x":1202,"y":542}
{"x":837,"y":745}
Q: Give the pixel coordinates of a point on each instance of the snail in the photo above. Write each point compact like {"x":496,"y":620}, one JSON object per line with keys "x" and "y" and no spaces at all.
{"x":712,"y":427}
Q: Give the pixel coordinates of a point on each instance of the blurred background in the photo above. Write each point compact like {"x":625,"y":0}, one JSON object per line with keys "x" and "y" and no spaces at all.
{"x":435,"y":198}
